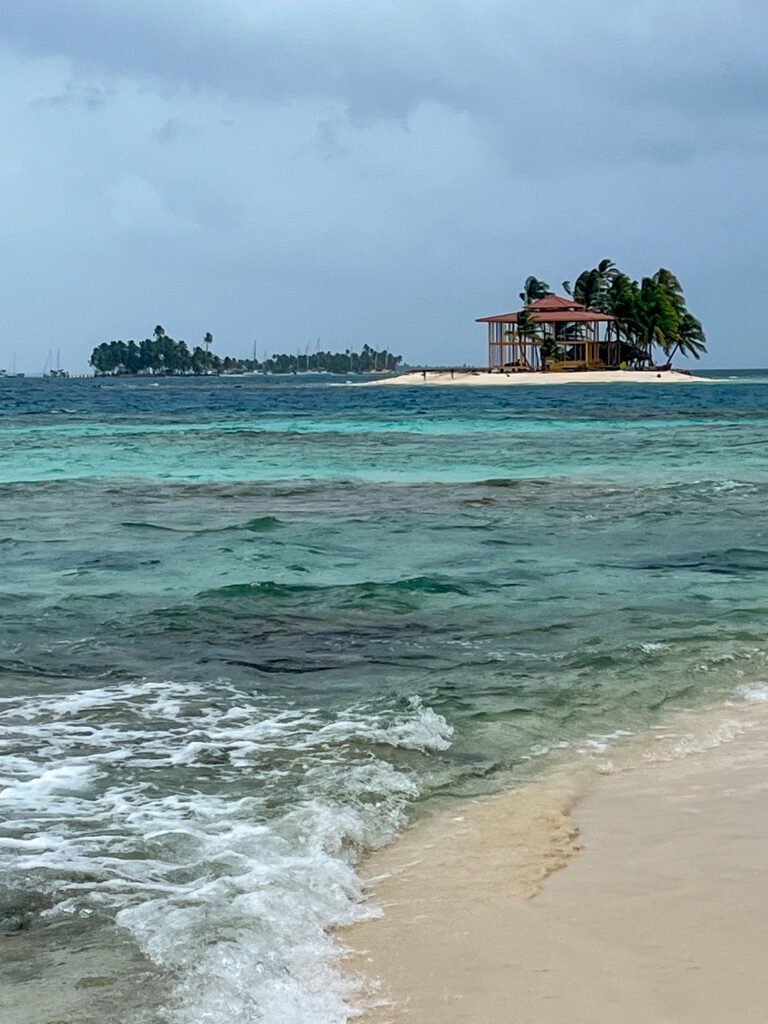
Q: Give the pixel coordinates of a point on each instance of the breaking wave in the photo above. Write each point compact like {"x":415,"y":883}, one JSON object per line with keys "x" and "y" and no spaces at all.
{"x":218,"y":829}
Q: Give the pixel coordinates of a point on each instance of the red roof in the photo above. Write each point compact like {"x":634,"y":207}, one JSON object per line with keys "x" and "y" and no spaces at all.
{"x":553,"y":303}
{"x":573,"y":315}
{"x":551,"y":309}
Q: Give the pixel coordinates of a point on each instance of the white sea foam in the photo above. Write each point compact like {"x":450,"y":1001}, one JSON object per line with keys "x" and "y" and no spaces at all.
{"x":220,"y":830}
{"x":673,"y":745}
{"x":755,"y":693}
{"x":600,"y":743}
{"x":682,"y":735}
{"x":421,"y":730}
{"x":67,"y":779}
{"x":653,"y":647}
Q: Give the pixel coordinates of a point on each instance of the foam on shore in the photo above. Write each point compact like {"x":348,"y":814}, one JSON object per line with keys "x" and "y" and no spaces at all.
{"x":476,"y":378}
{"x":663,"y":917}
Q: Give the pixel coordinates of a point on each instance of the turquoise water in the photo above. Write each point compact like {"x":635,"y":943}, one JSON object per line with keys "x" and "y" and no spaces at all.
{"x":249,"y":628}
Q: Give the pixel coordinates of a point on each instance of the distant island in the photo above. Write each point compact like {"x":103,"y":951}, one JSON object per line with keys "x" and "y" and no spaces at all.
{"x":607,"y":321}
{"x":162,"y":355}
{"x":608,"y":328}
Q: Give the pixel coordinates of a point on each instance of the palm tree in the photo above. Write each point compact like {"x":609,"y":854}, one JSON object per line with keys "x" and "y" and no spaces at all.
{"x":607,"y":270}
{"x":534,"y":289}
{"x":666,"y":279}
{"x":623,"y":303}
{"x":548,"y":349}
{"x":586,"y":289}
{"x":592,"y":287}
{"x":690,"y":340}
{"x":651,"y":313}
{"x":527,"y":327}
{"x":657,"y":314}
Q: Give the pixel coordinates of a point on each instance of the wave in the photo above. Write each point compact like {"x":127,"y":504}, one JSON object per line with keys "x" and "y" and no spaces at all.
{"x":727,"y":561}
{"x":212,"y":826}
{"x":368,"y":590}
{"x":259,"y":524}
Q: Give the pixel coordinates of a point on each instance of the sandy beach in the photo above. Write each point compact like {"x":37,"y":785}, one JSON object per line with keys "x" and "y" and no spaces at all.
{"x":660,"y":914}
{"x":447,"y":378}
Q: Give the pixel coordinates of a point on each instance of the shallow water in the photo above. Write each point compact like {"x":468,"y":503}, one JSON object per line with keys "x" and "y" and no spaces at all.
{"x":248,"y":628}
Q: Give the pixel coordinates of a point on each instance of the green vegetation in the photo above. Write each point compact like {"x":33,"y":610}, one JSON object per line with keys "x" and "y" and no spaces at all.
{"x":649,"y":314}
{"x":528,"y":328}
{"x":534,"y":289}
{"x":548,"y":350}
{"x":162,"y":355}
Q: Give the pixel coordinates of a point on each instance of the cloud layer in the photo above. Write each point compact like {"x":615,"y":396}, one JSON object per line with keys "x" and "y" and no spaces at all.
{"x":381,"y":172}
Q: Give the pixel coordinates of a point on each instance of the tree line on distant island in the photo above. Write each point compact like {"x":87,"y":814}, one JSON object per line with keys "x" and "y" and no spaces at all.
{"x":162,"y":355}
{"x":649,"y":313}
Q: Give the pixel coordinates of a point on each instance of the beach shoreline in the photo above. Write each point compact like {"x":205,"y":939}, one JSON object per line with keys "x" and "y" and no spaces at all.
{"x":477,"y":378}
{"x":661,"y":913}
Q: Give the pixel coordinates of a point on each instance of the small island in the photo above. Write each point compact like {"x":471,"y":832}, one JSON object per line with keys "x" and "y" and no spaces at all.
{"x":606,"y":328}
{"x":607,"y":321}
{"x":162,"y":355}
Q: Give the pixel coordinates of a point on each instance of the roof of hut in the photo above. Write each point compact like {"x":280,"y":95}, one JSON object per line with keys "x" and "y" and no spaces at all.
{"x":551,"y":309}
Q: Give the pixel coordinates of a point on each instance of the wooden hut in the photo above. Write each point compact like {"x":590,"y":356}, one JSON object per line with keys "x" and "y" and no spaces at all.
{"x":585,"y":340}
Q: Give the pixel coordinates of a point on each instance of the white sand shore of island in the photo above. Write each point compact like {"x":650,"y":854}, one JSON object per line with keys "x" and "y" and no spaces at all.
{"x":476,"y":378}
{"x":662,"y":918}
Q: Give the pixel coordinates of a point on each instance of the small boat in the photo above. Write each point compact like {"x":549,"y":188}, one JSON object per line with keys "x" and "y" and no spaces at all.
{"x":51,"y":372}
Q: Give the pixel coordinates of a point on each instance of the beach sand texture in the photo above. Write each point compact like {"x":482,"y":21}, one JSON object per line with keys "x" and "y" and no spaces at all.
{"x":663,"y":917}
{"x":479,"y":379}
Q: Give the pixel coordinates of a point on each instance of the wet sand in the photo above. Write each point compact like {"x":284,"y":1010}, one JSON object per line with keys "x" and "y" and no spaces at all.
{"x":660,"y":914}
{"x":436,"y":378}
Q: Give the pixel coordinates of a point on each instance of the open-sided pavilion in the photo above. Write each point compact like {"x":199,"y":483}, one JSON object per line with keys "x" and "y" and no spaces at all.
{"x":584,"y":338}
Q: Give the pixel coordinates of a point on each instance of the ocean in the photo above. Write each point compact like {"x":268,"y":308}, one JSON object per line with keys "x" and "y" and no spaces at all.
{"x":250,"y":628}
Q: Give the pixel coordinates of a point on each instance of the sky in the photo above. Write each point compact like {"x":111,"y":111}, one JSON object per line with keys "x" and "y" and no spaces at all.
{"x":282,"y":171}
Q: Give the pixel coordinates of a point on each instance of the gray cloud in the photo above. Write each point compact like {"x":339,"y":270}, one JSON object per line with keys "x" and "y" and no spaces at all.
{"x":337,"y":50}
{"x":170,"y":130}
{"x":91,"y":97}
{"x":388,"y":168}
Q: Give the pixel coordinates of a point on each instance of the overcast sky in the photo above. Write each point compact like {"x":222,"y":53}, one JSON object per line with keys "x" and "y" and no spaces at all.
{"x":381,"y":171}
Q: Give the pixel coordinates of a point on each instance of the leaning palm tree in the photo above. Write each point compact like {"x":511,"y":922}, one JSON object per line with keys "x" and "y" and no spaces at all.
{"x":607,"y":272}
{"x":526,"y":325}
{"x":592,"y":287}
{"x":534,"y":289}
{"x":666,"y":281}
{"x":690,"y":339}
{"x":653,"y":313}
{"x":658,"y":314}
{"x":527,"y":329}
{"x":623,"y":302}
{"x":586,"y":289}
